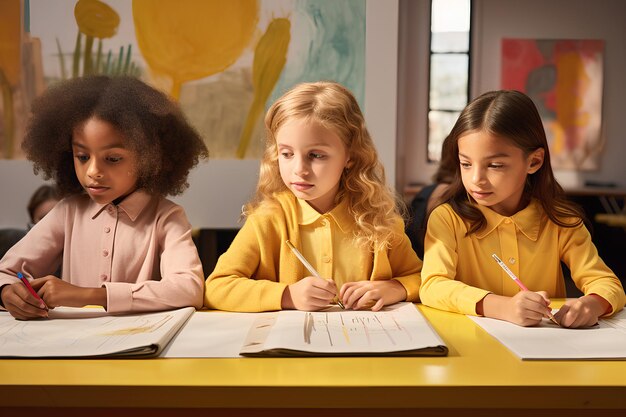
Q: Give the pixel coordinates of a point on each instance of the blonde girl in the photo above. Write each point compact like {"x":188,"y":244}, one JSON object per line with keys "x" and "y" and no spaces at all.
{"x":322,"y":187}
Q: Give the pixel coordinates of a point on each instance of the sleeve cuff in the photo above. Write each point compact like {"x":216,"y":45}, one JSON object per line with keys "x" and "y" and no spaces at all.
{"x":119,"y":297}
{"x":411,"y":284}
{"x":616,"y":300}
{"x":471,"y":297}
{"x":271,"y":297}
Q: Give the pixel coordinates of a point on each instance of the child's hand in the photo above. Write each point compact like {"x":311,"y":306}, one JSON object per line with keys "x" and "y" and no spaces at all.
{"x":528,"y":308}
{"x":583,"y":311}
{"x":21,"y":304}
{"x":361,"y":295}
{"x":56,"y":292}
{"x":309,"y":294}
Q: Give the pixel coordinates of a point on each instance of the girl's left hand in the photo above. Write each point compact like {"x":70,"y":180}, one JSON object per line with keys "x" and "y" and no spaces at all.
{"x":372,"y":295}
{"x":583,"y":311}
{"x":56,"y":292}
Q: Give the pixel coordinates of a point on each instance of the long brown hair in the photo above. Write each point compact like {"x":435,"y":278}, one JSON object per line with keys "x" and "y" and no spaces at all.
{"x":512,"y":115}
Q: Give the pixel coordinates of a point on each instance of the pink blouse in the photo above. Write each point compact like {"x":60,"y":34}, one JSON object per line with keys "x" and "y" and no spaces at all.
{"x":140,"y":250}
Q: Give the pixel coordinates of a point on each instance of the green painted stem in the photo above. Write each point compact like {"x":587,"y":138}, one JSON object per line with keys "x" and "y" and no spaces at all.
{"x":76,"y":58}
{"x":87,"y":58}
{"x":61,"y":60}
{"x":97,"y":68}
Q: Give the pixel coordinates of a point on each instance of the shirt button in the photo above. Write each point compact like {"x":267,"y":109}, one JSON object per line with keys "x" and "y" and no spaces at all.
{"x":103,"y":277}
{"x":324,"y":222}
{"x":107,"y":229}
{"x":105,"y":253}
{"x":507,"y":221}
{"x":110,"y":210}
{"x":511,"y":260}
{"x":326,"y":259}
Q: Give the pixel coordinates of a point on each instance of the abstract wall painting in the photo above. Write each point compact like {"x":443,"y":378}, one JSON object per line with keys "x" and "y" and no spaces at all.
{"x":224,"y":61}
{"x":565,"y":80}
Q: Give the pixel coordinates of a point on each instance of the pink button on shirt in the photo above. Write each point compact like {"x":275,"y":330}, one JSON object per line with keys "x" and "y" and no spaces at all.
{"x":140,"y":250}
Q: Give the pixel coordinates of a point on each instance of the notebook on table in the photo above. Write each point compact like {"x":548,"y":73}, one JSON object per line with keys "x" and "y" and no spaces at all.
{"x":398,"y":330}
{"x":90,"y":333}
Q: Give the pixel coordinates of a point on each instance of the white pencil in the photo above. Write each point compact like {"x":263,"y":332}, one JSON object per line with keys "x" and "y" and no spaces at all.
{"x":308,"y":266}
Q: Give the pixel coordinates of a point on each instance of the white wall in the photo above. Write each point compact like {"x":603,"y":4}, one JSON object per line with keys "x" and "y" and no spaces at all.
{"x":220,"y":187}
{"x":217,"y":191}
{"x":381,"y":80}
{"x":497,"y":19}
{"x":17,"y":183}
{"x":413,"y":45}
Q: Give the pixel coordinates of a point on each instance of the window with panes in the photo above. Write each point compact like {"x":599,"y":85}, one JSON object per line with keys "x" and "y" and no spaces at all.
{"x":449,"y":69}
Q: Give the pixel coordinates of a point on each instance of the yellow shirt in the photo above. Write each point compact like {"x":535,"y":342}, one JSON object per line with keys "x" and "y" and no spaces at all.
{"x":327,"y":244}
{"x":459,"y":270}
{"x":254,"y":272}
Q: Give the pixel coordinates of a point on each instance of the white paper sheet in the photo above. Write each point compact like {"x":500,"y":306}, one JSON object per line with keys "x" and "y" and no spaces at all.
{"x":211,"y":335}
{"x":77,"y":312}
{"x":79,"y":334}
{"x":607,"y":340}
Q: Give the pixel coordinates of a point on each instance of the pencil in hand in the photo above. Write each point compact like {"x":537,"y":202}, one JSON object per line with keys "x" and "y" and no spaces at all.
{"x":31,"y":289}
{"x":308,"y":266}
{"x":519,"y":283}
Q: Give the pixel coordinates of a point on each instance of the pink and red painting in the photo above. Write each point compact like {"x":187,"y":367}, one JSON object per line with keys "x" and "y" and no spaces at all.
{"x":564,"y":78}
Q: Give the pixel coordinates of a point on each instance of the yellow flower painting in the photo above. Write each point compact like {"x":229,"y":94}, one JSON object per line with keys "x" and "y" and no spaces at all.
{"x":224,"y":61}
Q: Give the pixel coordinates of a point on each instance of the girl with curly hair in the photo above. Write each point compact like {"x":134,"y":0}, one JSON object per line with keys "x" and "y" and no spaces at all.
{"x":322,"y":187}
{"x":115,"y":147}
{"x":505,"y":201}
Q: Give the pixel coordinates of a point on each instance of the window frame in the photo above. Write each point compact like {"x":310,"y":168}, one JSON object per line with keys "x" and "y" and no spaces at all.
{"x":429,"y":73}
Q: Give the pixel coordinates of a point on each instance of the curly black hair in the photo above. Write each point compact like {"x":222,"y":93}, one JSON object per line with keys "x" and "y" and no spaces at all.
{"x":153,"y":126}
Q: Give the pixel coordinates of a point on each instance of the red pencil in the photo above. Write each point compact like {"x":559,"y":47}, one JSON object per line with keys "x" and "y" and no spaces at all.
{"x":29,"y":287}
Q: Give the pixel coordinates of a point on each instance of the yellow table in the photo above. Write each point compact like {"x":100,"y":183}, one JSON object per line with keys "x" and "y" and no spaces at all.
{"x":479,"y":377}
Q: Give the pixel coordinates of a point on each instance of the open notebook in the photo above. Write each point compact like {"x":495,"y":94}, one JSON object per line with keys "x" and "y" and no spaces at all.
{"x":90,"y":332}
{"x":398,"y":330}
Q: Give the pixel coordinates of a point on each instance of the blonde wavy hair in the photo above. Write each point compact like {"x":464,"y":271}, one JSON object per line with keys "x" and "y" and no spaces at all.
{"x":372,"y":204}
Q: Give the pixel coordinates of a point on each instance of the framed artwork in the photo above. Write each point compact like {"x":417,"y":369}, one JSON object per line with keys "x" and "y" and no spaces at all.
{"x":565,"y":80}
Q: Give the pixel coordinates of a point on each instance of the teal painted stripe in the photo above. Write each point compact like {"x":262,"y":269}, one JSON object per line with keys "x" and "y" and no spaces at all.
{"x":27,"y":16}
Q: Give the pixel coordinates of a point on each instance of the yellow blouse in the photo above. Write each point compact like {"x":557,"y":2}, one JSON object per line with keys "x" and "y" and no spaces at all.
{"x":459,"y":270}
{"x":254,"y":272}
{"x":327,"y":244}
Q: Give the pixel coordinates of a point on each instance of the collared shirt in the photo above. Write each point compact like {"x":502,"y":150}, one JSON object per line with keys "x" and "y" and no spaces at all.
{"x":327,"y":243}
{"x":459,"y":270}
{"x":257,"y":267}
{"x":140,"y":250}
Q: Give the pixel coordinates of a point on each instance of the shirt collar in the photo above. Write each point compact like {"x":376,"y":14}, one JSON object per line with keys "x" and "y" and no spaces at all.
{"x":308,"y":215}
{"x":527,"y":221}
{"x":132,"y":205}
